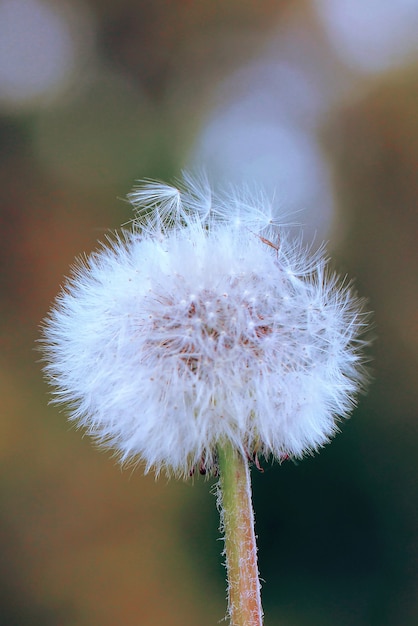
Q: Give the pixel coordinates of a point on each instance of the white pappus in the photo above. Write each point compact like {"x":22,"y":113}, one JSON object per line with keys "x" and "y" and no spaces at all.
{"x":204,"y":323}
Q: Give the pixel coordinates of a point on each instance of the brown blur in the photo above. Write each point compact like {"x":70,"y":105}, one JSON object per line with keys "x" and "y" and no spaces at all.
{"x":84,"y":543}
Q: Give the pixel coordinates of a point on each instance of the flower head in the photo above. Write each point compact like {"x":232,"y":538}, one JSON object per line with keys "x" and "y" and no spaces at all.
{"x":201,"y":324}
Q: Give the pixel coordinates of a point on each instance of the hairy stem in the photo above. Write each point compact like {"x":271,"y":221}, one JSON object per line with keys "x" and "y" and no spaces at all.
{"x":237,"y":523}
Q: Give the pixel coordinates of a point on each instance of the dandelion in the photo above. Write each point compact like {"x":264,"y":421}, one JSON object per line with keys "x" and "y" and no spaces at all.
{"x":203,"y":337}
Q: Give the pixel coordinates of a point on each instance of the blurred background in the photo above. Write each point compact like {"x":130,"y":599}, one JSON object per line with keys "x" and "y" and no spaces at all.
{"x":316,"y":101}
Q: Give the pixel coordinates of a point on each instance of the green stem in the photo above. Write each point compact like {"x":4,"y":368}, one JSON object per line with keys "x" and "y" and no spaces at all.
{"x":237,"y":522}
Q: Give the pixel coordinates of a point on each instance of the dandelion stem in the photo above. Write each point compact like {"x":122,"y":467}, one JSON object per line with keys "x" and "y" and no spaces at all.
{"x":237,"y":523}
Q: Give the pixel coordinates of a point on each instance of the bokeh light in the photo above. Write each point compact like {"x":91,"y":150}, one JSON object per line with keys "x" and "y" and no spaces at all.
{"x":42,"y":45}
{"x":266,"y":134}
{"x":372,"y":35}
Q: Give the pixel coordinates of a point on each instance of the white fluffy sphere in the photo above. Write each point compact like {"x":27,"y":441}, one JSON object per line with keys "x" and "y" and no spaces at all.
{"x":201,"y":324}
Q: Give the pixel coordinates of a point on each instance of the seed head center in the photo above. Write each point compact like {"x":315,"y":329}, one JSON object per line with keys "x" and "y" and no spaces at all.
{"x":208,"y":328}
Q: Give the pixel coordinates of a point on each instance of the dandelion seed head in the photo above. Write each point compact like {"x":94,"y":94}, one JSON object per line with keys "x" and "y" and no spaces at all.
{"x":191,"y":329}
